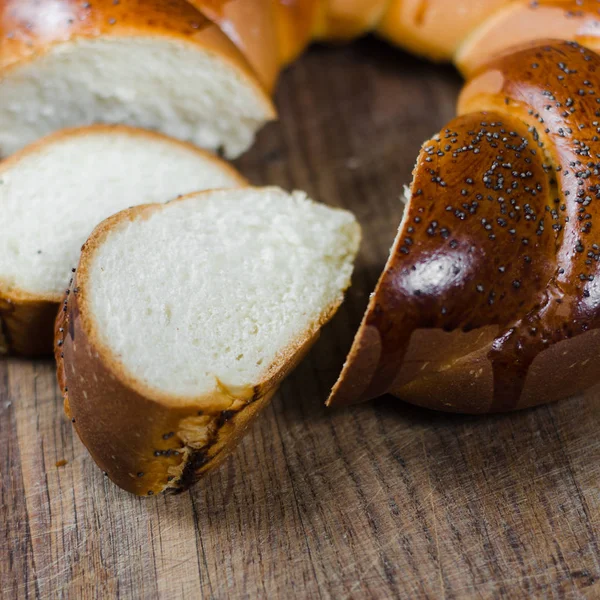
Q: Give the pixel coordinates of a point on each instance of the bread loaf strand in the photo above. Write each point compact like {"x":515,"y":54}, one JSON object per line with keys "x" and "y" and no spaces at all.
{"x":491,"y":298}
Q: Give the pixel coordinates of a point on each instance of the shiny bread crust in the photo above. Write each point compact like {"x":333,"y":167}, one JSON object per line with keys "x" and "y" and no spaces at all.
{"x":490,"y":300}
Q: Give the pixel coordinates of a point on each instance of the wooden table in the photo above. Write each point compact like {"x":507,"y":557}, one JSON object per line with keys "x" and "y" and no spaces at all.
{"x":379,"y":501}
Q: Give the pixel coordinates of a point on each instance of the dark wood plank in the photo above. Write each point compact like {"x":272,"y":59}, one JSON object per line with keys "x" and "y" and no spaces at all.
{"x":381,"y":500}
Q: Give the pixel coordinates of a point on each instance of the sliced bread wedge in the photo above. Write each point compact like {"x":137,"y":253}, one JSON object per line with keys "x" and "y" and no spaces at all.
{"x":182,"y":320}
{"x":159,"y":65}
{"x":53,"y":194}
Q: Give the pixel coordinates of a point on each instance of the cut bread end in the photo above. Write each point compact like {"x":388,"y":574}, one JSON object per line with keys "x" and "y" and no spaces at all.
{"x":53,"y":194}
{"x":178,"y":88}
{"x":186,"y":318}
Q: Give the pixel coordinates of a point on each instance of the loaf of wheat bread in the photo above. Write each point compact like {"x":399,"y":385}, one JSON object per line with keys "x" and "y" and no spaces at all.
{"x":182,"y":319}
{"x":52,"y":195}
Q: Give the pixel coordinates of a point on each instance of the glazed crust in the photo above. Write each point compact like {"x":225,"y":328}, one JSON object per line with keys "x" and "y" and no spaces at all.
{"x":297,"y":22}
{"x":520,"y":23}
{"x":27,"y":320}
{"x":251,"y":27}
{"x":144,"y":440}
{"x":25,"y":32}
{"x":498,"y":242}
{"x":348,"y":19}
{"x":261,"y":36}
{"x":470,"y":32}
{"x":435,"y":28}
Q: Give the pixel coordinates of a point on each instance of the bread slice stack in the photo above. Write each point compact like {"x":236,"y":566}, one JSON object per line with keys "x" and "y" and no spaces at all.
{"x":183,"y":318}
{"x":54,"y":193}
{"x":184,"y":315}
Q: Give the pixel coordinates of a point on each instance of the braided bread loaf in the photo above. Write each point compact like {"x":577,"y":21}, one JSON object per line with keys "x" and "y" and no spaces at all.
{"x":490,"y":299}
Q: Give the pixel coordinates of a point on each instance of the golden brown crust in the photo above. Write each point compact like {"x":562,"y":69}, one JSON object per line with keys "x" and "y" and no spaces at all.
{"x":434,"y":28}
{"x":260,"y":36}
{"x":28,"y":30}
{"x":348,"y":19}
{"x":499,"y":240}
{"x":296,"y":22}
{"x":132,"y":429}
{"x":28,"y":319}
{"x":563,"y":370}
{"x":521,"y":23}
{"x":458,"y":255}
{"x":251,"y":27}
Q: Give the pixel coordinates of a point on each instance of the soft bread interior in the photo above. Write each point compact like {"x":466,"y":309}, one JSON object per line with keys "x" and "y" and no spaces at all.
{"x":53,"y":195}
{"x":218,"y":290}
{"x":169,"y":86}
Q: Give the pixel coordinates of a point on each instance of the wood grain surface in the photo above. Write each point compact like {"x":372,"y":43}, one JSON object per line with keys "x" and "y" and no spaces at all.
{"x":378,"y":501}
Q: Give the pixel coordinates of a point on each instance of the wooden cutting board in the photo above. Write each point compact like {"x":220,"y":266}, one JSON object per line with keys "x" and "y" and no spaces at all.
{"x":378,"y":501}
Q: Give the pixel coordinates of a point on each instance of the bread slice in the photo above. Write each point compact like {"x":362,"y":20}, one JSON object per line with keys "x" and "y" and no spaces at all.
{"x":183,"y":319}
{"x":54,"y":193}
{"x":158,"y":65}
